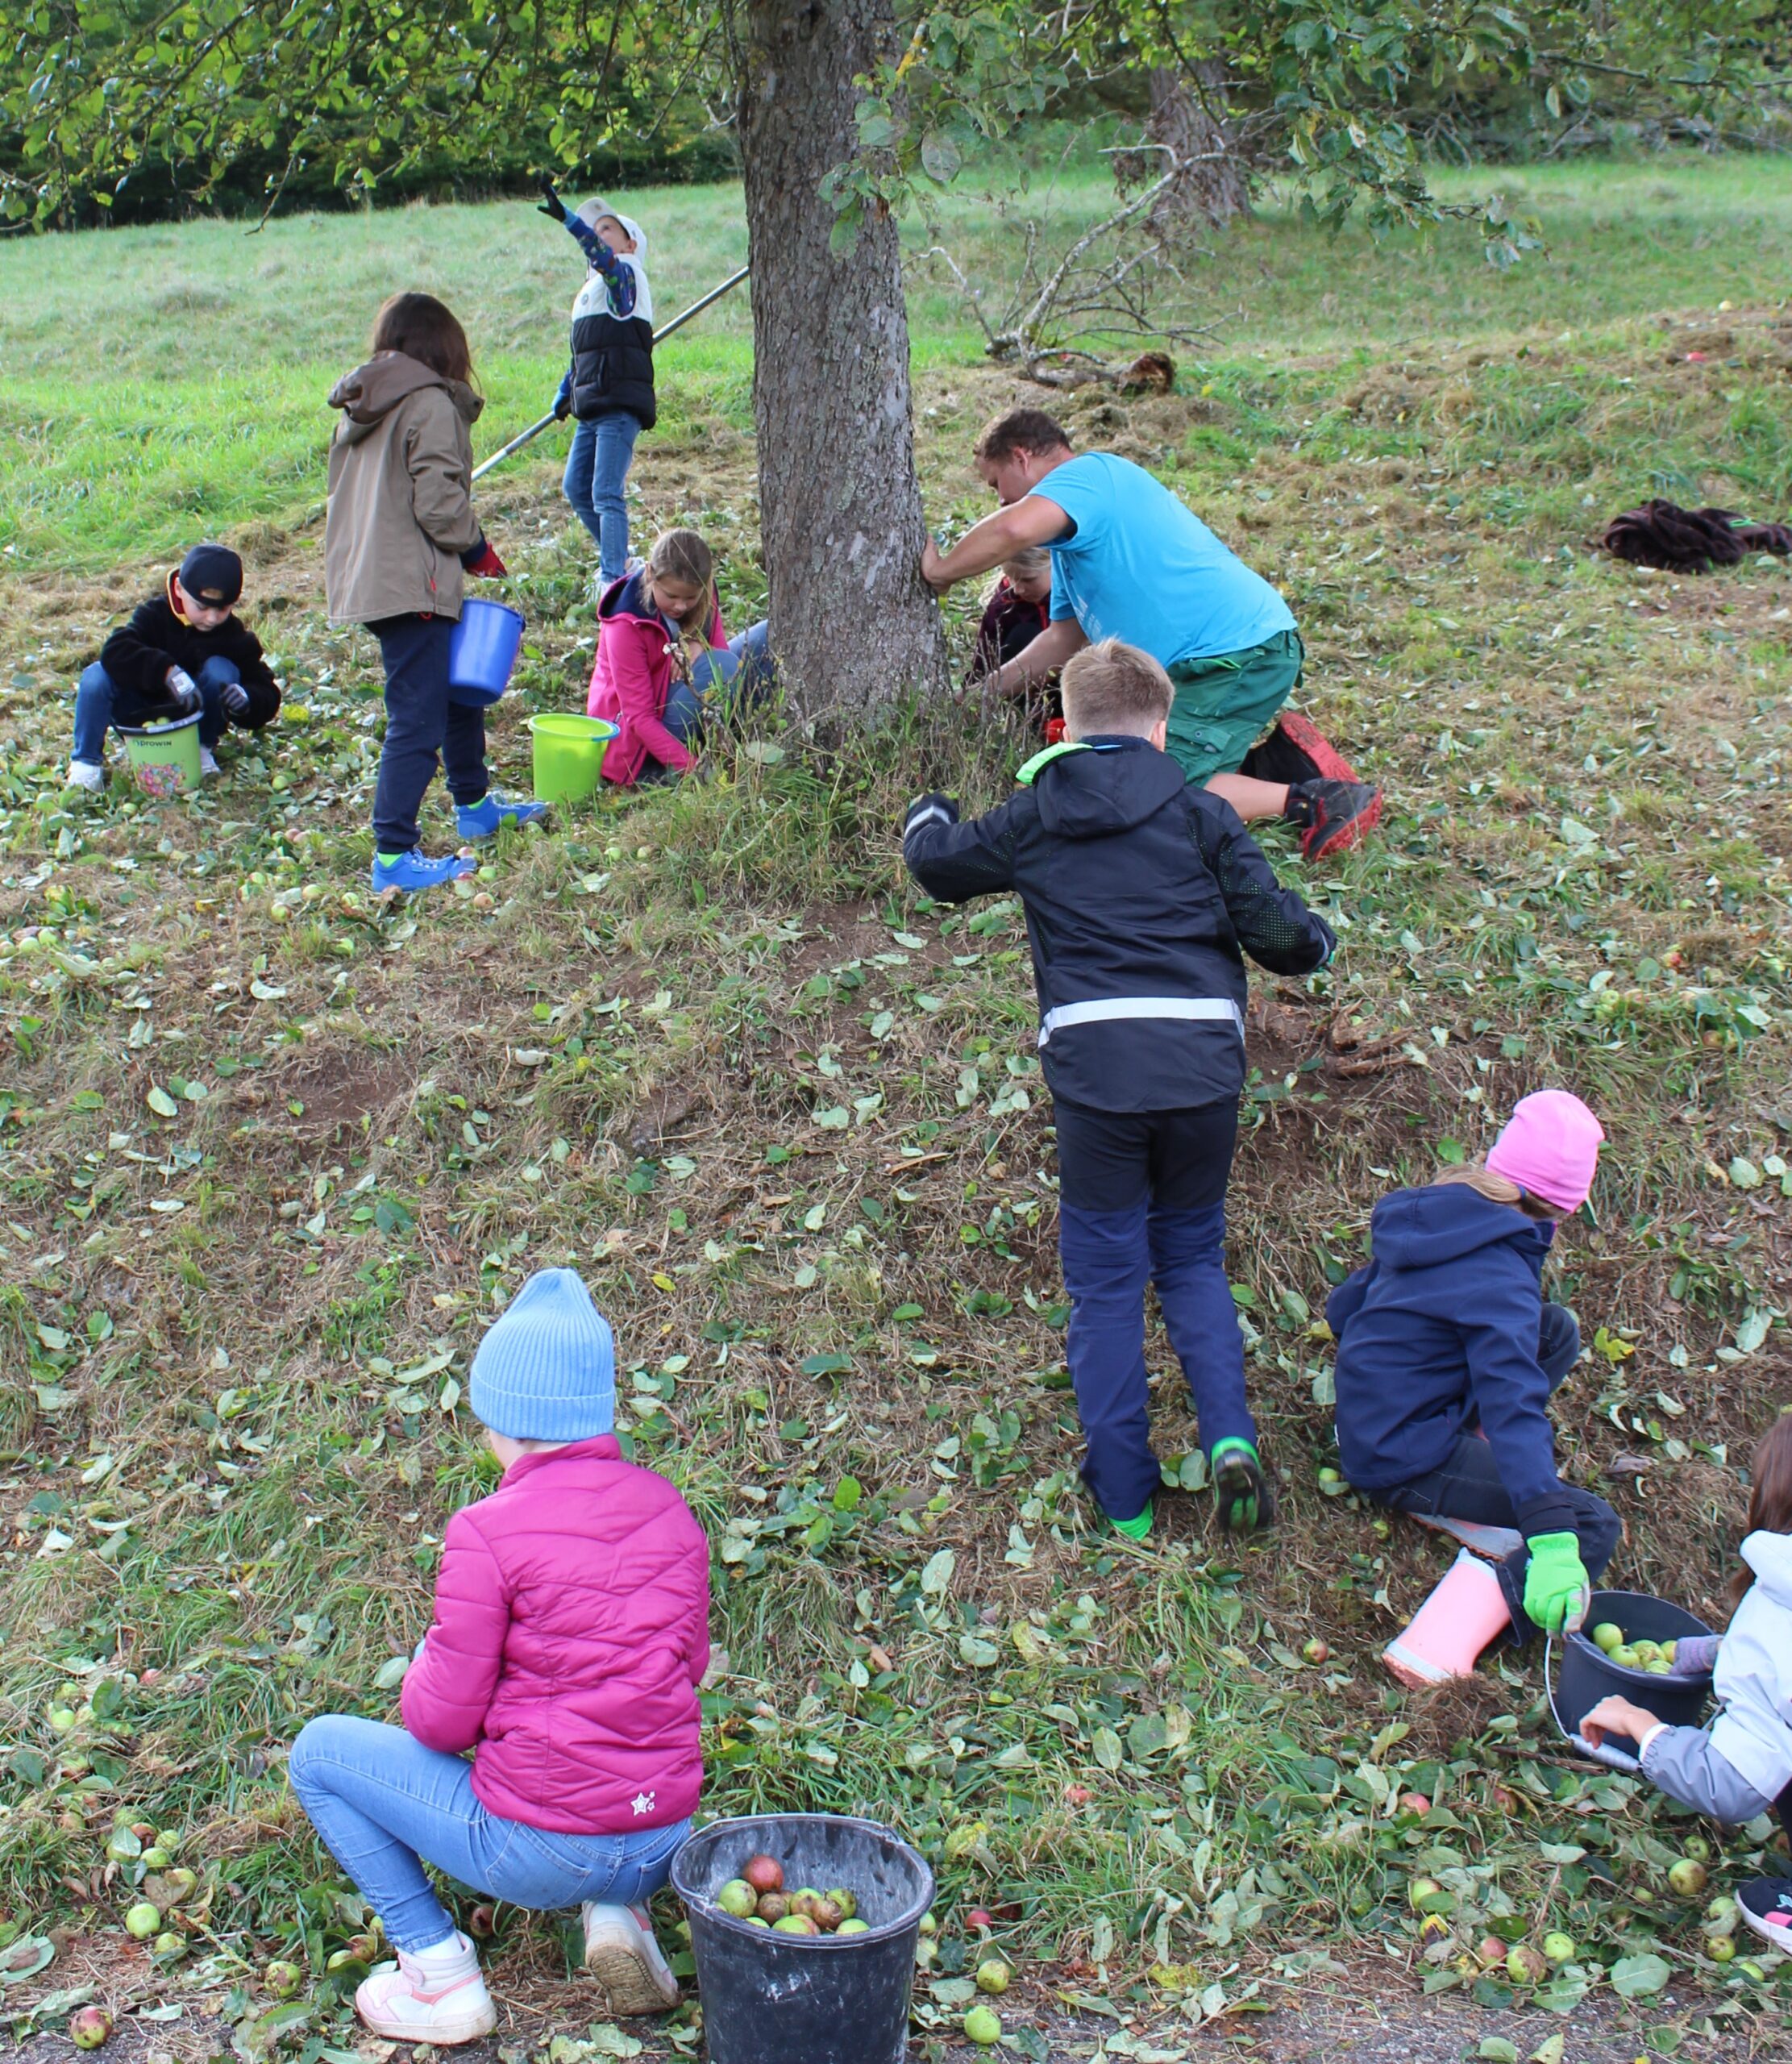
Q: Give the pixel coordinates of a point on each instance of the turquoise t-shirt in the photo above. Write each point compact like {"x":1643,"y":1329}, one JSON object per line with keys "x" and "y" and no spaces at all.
{"x":1142,"y":567}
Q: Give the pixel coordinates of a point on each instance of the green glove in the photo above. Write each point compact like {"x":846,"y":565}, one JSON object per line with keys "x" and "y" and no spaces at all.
{"x":1556,"y":1587}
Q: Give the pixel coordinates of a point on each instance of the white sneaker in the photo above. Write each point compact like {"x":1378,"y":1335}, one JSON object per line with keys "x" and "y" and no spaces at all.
{"x":85,"y":774}
{"x":208,"y":761}
{"x":438,"y":1996}
{"x":621,"y":1954}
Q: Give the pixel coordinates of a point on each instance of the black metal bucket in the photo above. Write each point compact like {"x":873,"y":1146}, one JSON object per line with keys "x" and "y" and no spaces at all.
{"x":1588,"y":1674}
{"x":772,"y":1999}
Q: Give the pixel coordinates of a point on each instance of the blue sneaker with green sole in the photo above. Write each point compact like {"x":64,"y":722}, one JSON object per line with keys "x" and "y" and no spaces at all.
{"x":414,"y":870}
{"x":486,"y":817}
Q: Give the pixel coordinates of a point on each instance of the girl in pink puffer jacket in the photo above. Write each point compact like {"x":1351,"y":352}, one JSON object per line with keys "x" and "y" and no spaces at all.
{"x":570,"y":1635}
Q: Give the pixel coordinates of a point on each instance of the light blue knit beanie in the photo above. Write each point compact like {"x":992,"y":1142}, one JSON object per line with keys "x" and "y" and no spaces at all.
{"x":546,"y":1370}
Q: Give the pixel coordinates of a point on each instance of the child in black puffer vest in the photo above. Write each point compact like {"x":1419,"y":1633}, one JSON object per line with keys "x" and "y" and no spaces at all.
{"x":609,"y":386}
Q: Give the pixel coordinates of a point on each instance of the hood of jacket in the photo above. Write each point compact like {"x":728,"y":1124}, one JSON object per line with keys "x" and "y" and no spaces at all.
{"x":1097,"y":787}
{"x":1769,"y":1556}
{"x":1432,"y":1227}
{"x":628,"y":597}
{"x":372,"y":391}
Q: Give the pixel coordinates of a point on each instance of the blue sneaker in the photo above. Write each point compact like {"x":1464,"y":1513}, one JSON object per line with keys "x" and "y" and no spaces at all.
{"x":415,"y":870}
{"x":481,"y":820}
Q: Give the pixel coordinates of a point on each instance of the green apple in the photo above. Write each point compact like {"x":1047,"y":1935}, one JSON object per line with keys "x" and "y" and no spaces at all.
{"x":737,"y":1897}
{"x":1558,"y":1947}
{"x":170,"y":1946}
{"x":1524,"y":1966}
{"x":1608,"y":1635}
{"x":89,"y":2027}
{"x":142,"y":1921}
{"x":1687,"y":1878}
{"x":795,"y":1924}
{"x":855,"y":1926}
{"x":1720,"y":1949}
{"x":1625,"y":1657}
{"x":982,"y":2026}
{"x":992,"y":1975}
{"x":282,"y":1979}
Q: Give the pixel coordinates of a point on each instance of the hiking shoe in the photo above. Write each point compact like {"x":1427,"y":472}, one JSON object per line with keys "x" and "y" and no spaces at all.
{"x":84,"y":774}
{"x":483,"y":819}
{"x":208,"y":761}
{"x":1325,"y":762}
{"x":437,"y":1997}
{"x":414,"y":870}
{"x":621,"y":1954}
{"x":1765,"y":1905}
{"x":1336,"y":814}
{"x":1242,"y":1492}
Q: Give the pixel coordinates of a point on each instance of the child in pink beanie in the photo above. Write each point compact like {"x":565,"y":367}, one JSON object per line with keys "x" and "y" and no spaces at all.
{"x":1447,"y":1358}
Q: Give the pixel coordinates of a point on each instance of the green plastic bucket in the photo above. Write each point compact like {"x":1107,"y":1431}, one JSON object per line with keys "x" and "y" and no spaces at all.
{"x":569,"y":756}
{"x":165,"y":757}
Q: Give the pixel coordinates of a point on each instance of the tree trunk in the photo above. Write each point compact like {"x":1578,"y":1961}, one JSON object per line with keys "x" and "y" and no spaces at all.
{"x":1212,"y":189}
{"x":853,"y":624}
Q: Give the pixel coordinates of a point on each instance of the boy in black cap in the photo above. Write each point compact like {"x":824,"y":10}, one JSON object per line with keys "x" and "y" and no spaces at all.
{"x":182,"y":650}
{"x":1143,"y":894}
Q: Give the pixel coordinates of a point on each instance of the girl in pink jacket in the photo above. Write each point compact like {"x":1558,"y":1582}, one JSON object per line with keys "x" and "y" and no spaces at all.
{"x":571,"y":1633}
{"x":661,"y":652}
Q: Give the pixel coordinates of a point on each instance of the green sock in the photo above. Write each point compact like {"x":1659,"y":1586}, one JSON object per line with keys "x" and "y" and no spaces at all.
{"x":1135,"y":1529}
{"x":388,"y":859}
{"x":1237,"y":1444}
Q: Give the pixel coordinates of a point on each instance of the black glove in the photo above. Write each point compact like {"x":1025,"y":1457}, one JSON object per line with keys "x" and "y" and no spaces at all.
{"x":550,"y":202}
{"x":563,"y":407}
{"x":236,"y":698}
{"x":926,"y":809}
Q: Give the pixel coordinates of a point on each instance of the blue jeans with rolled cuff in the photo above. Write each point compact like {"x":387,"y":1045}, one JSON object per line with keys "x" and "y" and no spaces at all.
{"x":96,"y":698}
{"x":596,"y":472}
{"x":422,"y":724}
{"x":384,"y":1806}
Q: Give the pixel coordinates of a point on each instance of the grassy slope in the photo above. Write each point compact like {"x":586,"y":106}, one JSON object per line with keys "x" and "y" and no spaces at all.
{"x":707,"y":1047}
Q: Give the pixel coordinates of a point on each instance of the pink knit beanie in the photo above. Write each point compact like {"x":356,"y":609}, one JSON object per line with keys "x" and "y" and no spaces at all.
{"x":1550,"y":1147}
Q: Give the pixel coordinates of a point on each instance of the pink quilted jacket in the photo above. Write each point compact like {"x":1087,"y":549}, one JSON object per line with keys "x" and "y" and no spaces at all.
{"x":571,"y":1631}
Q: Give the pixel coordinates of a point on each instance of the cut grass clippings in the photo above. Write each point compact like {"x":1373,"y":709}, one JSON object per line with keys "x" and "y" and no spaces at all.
{"x":274,"y":1155}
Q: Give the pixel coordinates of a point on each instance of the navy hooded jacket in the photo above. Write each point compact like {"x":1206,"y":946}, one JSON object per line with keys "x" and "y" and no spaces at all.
{"x":1440,"y":1334}
{"x":1143,"y":894}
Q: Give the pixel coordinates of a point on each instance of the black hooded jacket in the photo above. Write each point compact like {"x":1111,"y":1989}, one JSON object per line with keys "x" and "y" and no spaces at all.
{"x":138,"y":655}
{"x":1143,"y":894}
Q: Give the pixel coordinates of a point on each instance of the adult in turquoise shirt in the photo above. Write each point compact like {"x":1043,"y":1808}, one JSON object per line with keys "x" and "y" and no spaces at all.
{"x":1131,"y":561}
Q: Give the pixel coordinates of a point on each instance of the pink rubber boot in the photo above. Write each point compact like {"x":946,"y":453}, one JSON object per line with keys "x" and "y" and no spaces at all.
{"x":1465,"y":1610}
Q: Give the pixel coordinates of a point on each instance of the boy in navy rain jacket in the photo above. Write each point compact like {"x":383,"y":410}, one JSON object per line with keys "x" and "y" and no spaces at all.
{"x":1143,"y":893}
{"x":1447,"y":1355}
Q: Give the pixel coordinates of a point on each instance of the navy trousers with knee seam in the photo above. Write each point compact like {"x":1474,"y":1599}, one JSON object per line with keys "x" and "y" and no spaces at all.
{"x":1141,"y":1200}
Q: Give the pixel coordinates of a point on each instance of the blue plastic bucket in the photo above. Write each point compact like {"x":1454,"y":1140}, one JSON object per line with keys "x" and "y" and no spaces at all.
{"x":484,"y":652}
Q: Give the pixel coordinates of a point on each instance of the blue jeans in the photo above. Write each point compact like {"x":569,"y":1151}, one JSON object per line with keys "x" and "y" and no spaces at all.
{"x":740,"y":677}
{"x":421,"y":724}
{"x":1466,"y":1484}
{"x":1142,"y":1199}
{"x":95,"y":697}
{"x":596,"y":466}
{"x":384,"y":1805}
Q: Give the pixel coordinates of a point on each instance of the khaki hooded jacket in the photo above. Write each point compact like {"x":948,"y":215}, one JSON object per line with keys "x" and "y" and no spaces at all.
{"x":400,"y":515}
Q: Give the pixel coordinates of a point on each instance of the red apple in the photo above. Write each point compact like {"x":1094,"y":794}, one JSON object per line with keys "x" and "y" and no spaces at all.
{"x":764,"y":1874}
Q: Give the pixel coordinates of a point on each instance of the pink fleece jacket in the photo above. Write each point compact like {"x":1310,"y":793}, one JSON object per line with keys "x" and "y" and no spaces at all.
{"x":629,"y":683}
{"x":570,"y":1631}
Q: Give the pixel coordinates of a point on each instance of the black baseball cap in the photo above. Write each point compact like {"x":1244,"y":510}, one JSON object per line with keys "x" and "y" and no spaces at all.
{"x":213,"y":574}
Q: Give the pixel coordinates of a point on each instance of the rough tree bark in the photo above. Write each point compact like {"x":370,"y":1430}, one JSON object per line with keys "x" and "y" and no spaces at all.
{"x":853,"y":624}
{"x":1213,"y":190}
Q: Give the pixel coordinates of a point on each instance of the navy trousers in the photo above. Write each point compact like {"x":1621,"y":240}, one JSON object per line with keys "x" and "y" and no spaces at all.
{"x":422,"y":725}
{"x":1142,"y":1199}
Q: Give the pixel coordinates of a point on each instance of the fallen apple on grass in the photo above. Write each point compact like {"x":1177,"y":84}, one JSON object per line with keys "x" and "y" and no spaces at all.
{"x":142,"y":1921}
{"x":1558,"y":1947}
{"x":1315,"y":1651}
{"x":89,"y":2027}
{"x":992,"y":1975}
{"x":982,"y":2026}
{"x":282,"y":1979}
{"x":1687,"y":1877}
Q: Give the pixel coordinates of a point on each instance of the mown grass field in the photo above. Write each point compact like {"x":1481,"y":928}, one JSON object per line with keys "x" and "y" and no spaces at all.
{"x":708,"y":1046}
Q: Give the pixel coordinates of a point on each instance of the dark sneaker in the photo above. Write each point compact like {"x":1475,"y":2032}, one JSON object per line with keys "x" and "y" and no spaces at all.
{"x":1242,"y":1492}
{"x":1765,"y":1903}
{"x":1336,"y":814}
{"x":1323,"y":760}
